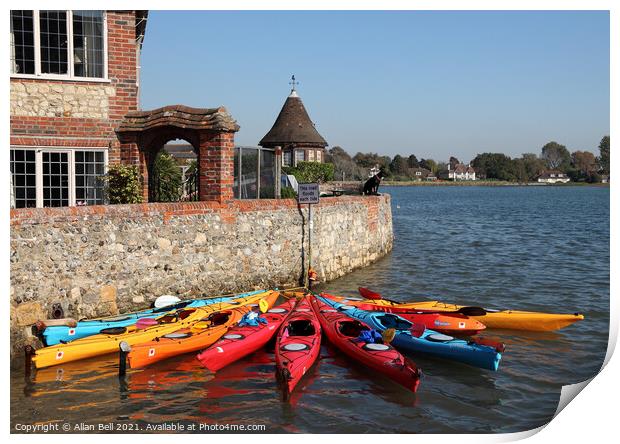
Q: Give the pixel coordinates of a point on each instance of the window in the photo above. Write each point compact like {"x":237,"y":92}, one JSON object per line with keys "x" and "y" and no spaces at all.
{"x":88,"y":43}
{"x":319,"y":156}
{"x":287,"y":158}
{"x":22,"y":42}
{"x":56,"y":177}
{"x":23,"y":179}
{"x":418,"y":173}
{"x":58,"y":44}
{"x":300,"y":156}
{"x":89,"y":167}
{"x":311,"y":155}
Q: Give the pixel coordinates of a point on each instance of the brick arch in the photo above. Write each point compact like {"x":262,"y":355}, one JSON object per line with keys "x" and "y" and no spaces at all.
{"x":209,"y":130}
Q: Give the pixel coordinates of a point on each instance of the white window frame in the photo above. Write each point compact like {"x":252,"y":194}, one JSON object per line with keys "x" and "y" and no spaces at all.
{"x":70,"y":57}
{"x":38,"y":157}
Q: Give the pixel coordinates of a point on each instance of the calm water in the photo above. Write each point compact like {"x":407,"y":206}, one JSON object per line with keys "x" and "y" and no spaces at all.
{"x":512,"y":247}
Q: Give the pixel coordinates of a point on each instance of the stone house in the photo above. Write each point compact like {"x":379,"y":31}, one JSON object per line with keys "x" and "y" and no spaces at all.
{"x":74,"y":75}
{"x":295,"y":134}
{"x":461,"y":172}
{"x":553,"y":176}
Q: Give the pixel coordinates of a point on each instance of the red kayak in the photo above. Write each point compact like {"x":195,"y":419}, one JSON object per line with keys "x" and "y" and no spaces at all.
{"x":298,"y":345}
{"x":241,"y":341}
{"x":343,"y":332}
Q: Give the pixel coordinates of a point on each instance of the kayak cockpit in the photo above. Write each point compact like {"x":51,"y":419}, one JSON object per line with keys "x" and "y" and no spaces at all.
{"x":219,"y":318}
{"x":351,"y":329}
{"x":300,"y":327}
{"x":391,"y":321}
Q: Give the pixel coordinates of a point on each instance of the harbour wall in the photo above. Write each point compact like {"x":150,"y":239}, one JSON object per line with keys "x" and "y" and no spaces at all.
{"x":103,"y":260}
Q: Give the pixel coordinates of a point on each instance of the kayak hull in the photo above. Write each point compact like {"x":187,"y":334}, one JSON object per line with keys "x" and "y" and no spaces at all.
{"x":297,"y":345}
{"x":197,"y":337}
{"x":450,"y":324}
{"x":239,"y":342}
{"x":428,"y":342}
{"x":509,"y":319}
{"x":62,"y":334}
{"x":342,"y":332}
{"x":102,"y":344}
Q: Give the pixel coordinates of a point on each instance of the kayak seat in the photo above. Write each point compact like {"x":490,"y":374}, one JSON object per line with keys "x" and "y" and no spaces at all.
{"x":300,"y":328}
{"x":218,"y":318}
{"x":351,"y":329}
{"x":395,"y":322}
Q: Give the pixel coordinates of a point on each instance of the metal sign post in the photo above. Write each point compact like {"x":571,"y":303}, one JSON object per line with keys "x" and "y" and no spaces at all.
{"x":308,"y":193}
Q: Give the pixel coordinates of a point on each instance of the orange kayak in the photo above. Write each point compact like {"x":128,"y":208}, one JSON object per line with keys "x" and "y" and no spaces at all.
{"x":446,"y":323}
{"x":195,"y":337}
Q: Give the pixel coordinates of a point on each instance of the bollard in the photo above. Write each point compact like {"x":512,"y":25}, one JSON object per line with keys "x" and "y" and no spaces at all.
{"x":28,"y":353}
{"x":124,"y":349}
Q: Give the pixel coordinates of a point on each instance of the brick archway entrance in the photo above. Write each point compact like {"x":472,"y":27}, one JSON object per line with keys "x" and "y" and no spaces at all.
{"x":211,"y":131}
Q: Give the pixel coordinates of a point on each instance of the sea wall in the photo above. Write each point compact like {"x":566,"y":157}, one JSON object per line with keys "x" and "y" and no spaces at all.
{"x":102,"y":260}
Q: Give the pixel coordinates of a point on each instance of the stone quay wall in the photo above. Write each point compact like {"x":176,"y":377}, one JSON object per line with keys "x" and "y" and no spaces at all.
{"x":104,"y":260}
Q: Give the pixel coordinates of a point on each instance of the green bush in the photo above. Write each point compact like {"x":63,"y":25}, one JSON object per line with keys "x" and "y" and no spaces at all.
{"x":123,"y":184}
{"x":167,"y":179}
{"x":288,"y":193}
{"x":308,"y":172}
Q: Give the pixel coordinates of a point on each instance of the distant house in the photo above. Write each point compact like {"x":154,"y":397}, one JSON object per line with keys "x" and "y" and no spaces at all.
{"x":553,"y":176}
{"x":604,"y":178}
{"x":461,"y":172}
{"x":421,"y":174}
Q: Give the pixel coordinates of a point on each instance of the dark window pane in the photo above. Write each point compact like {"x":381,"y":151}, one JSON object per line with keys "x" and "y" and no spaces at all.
{"x":53,"y":26}
{"x":22,"y":42}
{"x":88,"y":43}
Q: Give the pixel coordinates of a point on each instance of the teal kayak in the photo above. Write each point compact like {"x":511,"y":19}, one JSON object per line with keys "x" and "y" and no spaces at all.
{"x":61,"y":334}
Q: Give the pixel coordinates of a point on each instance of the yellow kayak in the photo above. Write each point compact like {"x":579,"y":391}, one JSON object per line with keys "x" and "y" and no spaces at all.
{"x":508,"y":319}
{"x":102,"y":344}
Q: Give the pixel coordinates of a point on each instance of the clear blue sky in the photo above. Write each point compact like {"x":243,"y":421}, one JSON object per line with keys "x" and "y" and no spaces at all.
{"x":433,"y":84}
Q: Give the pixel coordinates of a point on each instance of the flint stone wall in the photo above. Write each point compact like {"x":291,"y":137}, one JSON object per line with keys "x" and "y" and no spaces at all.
{"x":104,"y":260}
{"x":50,"y":99}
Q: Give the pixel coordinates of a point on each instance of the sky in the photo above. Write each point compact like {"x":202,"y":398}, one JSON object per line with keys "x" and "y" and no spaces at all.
{"x":431,"y":83}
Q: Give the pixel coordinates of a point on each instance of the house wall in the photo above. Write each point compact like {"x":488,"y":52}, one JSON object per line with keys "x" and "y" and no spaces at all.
{"x":75,"y":113}
{"x":101,"y":260}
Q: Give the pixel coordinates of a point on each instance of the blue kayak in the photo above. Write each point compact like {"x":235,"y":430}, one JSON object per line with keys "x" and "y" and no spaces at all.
{"x":416,"y":339}
{"x":58,"y":334}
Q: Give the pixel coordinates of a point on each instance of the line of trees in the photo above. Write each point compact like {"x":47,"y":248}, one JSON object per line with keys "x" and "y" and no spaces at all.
{"x":580,"y":166}
{"x":397,"y":168}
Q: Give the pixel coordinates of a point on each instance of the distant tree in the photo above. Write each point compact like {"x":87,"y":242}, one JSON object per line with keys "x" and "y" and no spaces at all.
{"x":518,"y":170}
{"x":343,"y":163}
{"x":603,"y":147}
{"x":370,"y":160}
{"x":429,"y":164}
{"x":412,"y":161}
{"x":556,"y":156}
{"x":496,"y":166}
{"x":533,"y":164}
{"x":399,"y":166}
{"x":584,"y":162}
{"x":453,"y":162}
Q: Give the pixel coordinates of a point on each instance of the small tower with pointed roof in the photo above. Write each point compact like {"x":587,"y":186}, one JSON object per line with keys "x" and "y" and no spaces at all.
{"x":295,"y":133}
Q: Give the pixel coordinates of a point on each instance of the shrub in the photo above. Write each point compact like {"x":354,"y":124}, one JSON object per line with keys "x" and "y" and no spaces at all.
{"x":307,"y":172}
{"x":167,"y":178}
{"x":288,"y":193}
{"x":123,"y":184}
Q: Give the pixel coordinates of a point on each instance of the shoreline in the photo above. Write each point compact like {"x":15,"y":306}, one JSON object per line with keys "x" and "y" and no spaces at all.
{"x":491,"y":184}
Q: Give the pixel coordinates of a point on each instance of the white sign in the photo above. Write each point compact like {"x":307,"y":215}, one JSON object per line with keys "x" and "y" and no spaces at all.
{"x":308,"y":193}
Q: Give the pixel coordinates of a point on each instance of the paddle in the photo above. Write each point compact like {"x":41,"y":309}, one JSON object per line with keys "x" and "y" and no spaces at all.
{"x":467,"y":311}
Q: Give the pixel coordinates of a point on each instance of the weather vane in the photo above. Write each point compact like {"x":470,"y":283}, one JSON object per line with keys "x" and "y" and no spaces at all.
{"x":293,"y":82}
